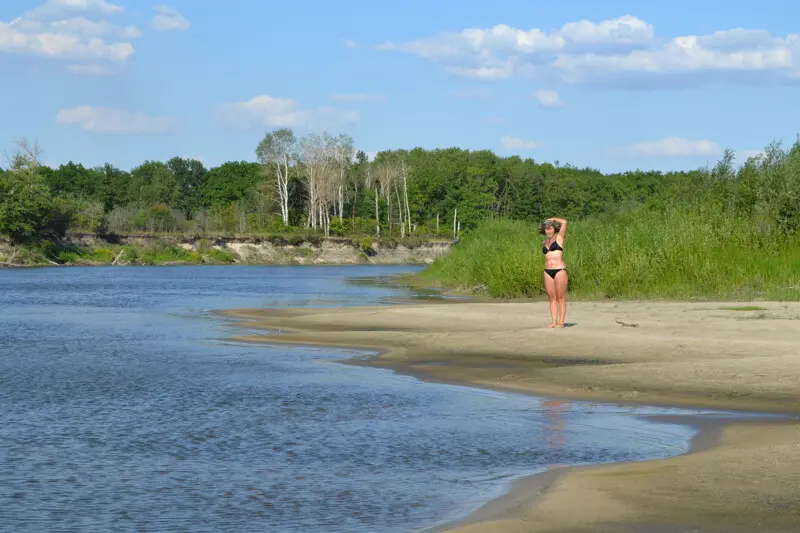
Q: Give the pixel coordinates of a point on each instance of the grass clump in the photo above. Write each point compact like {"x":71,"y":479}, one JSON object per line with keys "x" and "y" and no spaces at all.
{"x":207,"y":250}
{"x":306,"y":252}
{"x":161,"y":254}
{"x":221,"y":256}
{"x":49,"y":252}
{"x":365,"y":245}
{"x":501,"y":258}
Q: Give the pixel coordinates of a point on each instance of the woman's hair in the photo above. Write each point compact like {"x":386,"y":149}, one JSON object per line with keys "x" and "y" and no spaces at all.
{"x":549,"y":224}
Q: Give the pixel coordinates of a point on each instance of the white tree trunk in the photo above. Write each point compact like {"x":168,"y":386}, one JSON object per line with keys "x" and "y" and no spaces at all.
{"x":400,"y":206}
{"x":312,"y":204}
{"x":405,"y":194}
{"x":327,"y":223}
{"x":389,"y":208}
{"x":283,"y":189}
{"x":377,"y":214}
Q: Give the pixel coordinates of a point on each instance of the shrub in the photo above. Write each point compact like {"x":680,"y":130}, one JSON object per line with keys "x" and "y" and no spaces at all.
{"x":221,"y":256}
{"x":365,"y":245}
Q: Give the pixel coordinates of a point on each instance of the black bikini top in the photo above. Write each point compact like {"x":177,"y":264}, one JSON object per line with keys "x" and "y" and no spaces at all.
{"x":553,"y":247}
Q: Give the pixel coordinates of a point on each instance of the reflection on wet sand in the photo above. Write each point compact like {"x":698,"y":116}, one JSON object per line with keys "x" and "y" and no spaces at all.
{"x":555,"y":422}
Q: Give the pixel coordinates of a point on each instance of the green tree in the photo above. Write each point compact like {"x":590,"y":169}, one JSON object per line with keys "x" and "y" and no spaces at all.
{"x":152,"y":183}
{"x":75,"y":180}
{"x":231,"y":181}
{"x":27,"y":210}
{"x":190,"y":176}
{"x":112,"y":190}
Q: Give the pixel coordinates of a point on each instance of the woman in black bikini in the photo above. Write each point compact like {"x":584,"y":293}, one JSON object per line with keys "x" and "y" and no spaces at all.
{"x":555,"y":270}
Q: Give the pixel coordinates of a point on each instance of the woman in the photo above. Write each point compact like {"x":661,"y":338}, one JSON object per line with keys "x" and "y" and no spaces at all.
{"x":555,"y":270}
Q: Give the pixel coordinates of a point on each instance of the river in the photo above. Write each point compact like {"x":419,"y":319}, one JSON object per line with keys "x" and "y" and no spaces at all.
{"x":122,"y":409}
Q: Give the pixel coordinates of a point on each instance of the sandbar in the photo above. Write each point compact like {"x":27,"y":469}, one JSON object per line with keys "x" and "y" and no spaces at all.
{"x":719,"y":355}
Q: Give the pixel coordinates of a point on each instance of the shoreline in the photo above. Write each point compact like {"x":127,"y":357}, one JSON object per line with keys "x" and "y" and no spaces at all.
{"x":529,"y":489}
{"x":739,"y":360}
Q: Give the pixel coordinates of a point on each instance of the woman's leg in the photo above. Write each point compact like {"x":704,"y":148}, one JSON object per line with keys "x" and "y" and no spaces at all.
{"x":560,"y":284}
{"x":550,"y":289}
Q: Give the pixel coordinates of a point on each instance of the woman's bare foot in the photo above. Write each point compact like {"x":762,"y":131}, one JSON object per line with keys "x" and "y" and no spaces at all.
{"x":561,"y":325}
{"x":553,"y":325}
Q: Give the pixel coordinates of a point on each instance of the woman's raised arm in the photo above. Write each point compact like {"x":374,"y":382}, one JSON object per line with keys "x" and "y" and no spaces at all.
{"x":563,"y":229}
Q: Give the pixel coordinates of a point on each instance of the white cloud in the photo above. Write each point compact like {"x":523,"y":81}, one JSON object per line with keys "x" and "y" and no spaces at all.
{"x":548,"y":98}
{"x":623,"y":51}
{"x":358,"y":97}
{"x":488,"y":72}
{"x":56,"y":8}
{"x":169,"y":19}
{"x":90,"y":69}
{"x":350,"y":44}
{"x":515,"y":143}
{"x":371,"y":155}
{"x":80,"y":26}
{"x":673,"y":147}
{"x":266,"y":110}
{"x":622,"y":30}
{"x":51,"y":30}
{"x":113,"y":121}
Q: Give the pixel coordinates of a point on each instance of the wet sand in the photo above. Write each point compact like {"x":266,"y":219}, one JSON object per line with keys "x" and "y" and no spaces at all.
{"x":699,"y":354}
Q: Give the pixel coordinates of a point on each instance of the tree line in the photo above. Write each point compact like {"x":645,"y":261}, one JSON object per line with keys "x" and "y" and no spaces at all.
{"x":322,"y":183}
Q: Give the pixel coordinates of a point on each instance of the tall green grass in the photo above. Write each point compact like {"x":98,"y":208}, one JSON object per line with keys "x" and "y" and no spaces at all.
{"x":640,"y":255}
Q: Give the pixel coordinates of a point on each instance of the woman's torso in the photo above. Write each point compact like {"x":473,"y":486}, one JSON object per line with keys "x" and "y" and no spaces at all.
{"x":554,"y":256}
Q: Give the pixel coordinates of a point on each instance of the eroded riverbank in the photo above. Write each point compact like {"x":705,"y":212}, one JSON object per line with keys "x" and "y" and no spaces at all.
{"x":94,"y":250}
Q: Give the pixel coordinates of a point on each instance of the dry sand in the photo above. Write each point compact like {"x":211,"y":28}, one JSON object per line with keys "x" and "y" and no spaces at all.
{"x":683,"y":354}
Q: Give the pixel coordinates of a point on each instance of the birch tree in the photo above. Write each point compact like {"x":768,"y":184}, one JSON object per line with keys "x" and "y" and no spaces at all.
{"x":400,"y":211}
{"x":393,"y":174}
{"x":317,"y":153}
{"x":404,"y":176}
{"x":279,"y":149}
{"x":371,"y":182}
{"x":344,"y":160}
{"x":386,"y":174}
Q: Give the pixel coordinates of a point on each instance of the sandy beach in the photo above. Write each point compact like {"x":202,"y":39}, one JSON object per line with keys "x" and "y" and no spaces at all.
{"x":726,"y":356}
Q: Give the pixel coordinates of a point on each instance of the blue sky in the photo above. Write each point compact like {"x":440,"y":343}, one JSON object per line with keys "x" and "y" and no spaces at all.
{"x":614,"y":85}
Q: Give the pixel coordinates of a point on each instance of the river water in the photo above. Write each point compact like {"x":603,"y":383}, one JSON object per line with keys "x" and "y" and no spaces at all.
{"x":121,"y":409}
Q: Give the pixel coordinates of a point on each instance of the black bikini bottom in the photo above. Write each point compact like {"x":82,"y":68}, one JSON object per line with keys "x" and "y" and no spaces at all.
{"x":553,"y":271}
